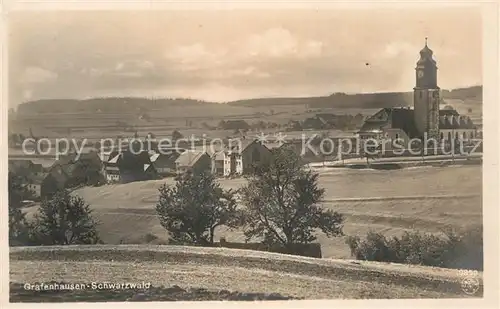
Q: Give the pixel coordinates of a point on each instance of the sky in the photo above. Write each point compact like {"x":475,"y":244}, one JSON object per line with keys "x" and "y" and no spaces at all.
{"x":236,"y":54}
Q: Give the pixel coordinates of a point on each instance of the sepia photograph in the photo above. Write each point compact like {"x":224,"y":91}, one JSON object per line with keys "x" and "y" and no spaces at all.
{"x":245,"y":154}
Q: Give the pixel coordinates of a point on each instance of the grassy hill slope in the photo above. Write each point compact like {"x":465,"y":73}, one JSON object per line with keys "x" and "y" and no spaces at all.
{"x":426,"y":198}
{"x":230,"y":269}
{"x":336,"y":100}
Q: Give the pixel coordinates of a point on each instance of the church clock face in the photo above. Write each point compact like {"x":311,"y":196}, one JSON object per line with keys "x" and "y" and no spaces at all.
{"x":420,"y":74}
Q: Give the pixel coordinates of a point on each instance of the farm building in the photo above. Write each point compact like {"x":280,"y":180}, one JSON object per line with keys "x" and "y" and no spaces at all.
{"x":245,"y":155}
{"x":111,"y":170}
{"x":194,"y":161}
{"x":72,"y":170}
{"x":220,"y":163}
{"x":164,"y":163}
{"x":126,"y":166}
{"x":135,"y":167}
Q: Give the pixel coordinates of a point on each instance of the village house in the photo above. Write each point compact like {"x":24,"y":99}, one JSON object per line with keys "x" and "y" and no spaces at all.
{"x":245,"y":155}
{"x":32,"y":174}
{"x":72,"y":170}
{"x":425,"y":120}
{"x":194,"y":161}
{"x":135,"y":167}
{"x":126,"y":166}
{"x":164,"y":163}
{"x":227,"y":163}
{"x":219,"y":162}
{"x":111,"y":170}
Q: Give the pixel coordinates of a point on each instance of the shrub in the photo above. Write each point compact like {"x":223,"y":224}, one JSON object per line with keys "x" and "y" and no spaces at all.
{"x":64,"y":220}
{"x":19,"y":228}
{"x":456,"y":250}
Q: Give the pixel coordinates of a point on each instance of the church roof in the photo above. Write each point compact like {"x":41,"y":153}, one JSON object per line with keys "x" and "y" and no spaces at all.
{"x":398,"y":118}
{"x":403,"y":118}
{"x":426,"y":54}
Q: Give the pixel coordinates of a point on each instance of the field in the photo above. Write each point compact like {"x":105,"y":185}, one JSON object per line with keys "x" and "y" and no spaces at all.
{"x":428,"y":199}
{"x":97,"y":118}
{"x":218,"y":269}
{"x":95,"y":126}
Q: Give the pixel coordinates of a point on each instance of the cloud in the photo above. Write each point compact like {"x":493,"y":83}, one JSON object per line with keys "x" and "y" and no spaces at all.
{"x":241,"y":60}
{"x":394,"y":50}
{"x":195,"y":56}
{"x":237,"y":53}
{"x":279,"y":43}
{"x":35,"y":75}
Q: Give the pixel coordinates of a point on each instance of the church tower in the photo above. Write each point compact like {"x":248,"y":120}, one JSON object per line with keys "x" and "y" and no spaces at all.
{"x":426,"y":95}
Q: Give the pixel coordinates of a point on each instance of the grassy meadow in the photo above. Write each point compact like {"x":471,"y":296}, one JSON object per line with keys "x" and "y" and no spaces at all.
{"x":428,"y":199}
{"x":229,"y":269}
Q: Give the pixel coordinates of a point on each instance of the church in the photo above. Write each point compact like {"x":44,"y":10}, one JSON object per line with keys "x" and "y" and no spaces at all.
{"x":425,"y":119}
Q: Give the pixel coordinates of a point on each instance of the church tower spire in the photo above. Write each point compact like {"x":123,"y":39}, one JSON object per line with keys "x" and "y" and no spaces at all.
{"x":426,"y":96}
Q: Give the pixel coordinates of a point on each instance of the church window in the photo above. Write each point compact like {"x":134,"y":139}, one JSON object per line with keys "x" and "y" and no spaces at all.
{"x":449,"y":136}
{"x":397,"y":136}
{"x":464,"y":136}
{"x":442,"y":135}
{"x":456,"y":135}
{"x":471,"y":135}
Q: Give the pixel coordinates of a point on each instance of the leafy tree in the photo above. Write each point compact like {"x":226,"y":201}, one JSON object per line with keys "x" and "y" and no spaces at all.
{"x":19,"y":228}
{"x":281,"y":201}
{"x":65,"y":220}
{"x":194,"y":207}
{"x":87,"y":172}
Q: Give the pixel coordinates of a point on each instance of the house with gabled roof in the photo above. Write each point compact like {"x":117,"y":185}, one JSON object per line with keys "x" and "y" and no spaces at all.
{"x":111,"y":170}
{"x":135,"y":167}
{"x":164,"y":162}
{"x":246,"y":154}
{"x":194,"y":161}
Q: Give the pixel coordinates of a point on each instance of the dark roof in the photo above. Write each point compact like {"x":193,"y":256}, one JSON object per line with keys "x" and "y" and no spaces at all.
{"x":132,"y":161}
{"x":163,"y":158}
{"x":426,"y":55}
{"x":244,"y":145}
{"x":448,"y":112}
{"x":455,"y":122}
{"x":400,"y":118}
{"x":189,"y":157}
{"x":403,"y":118}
